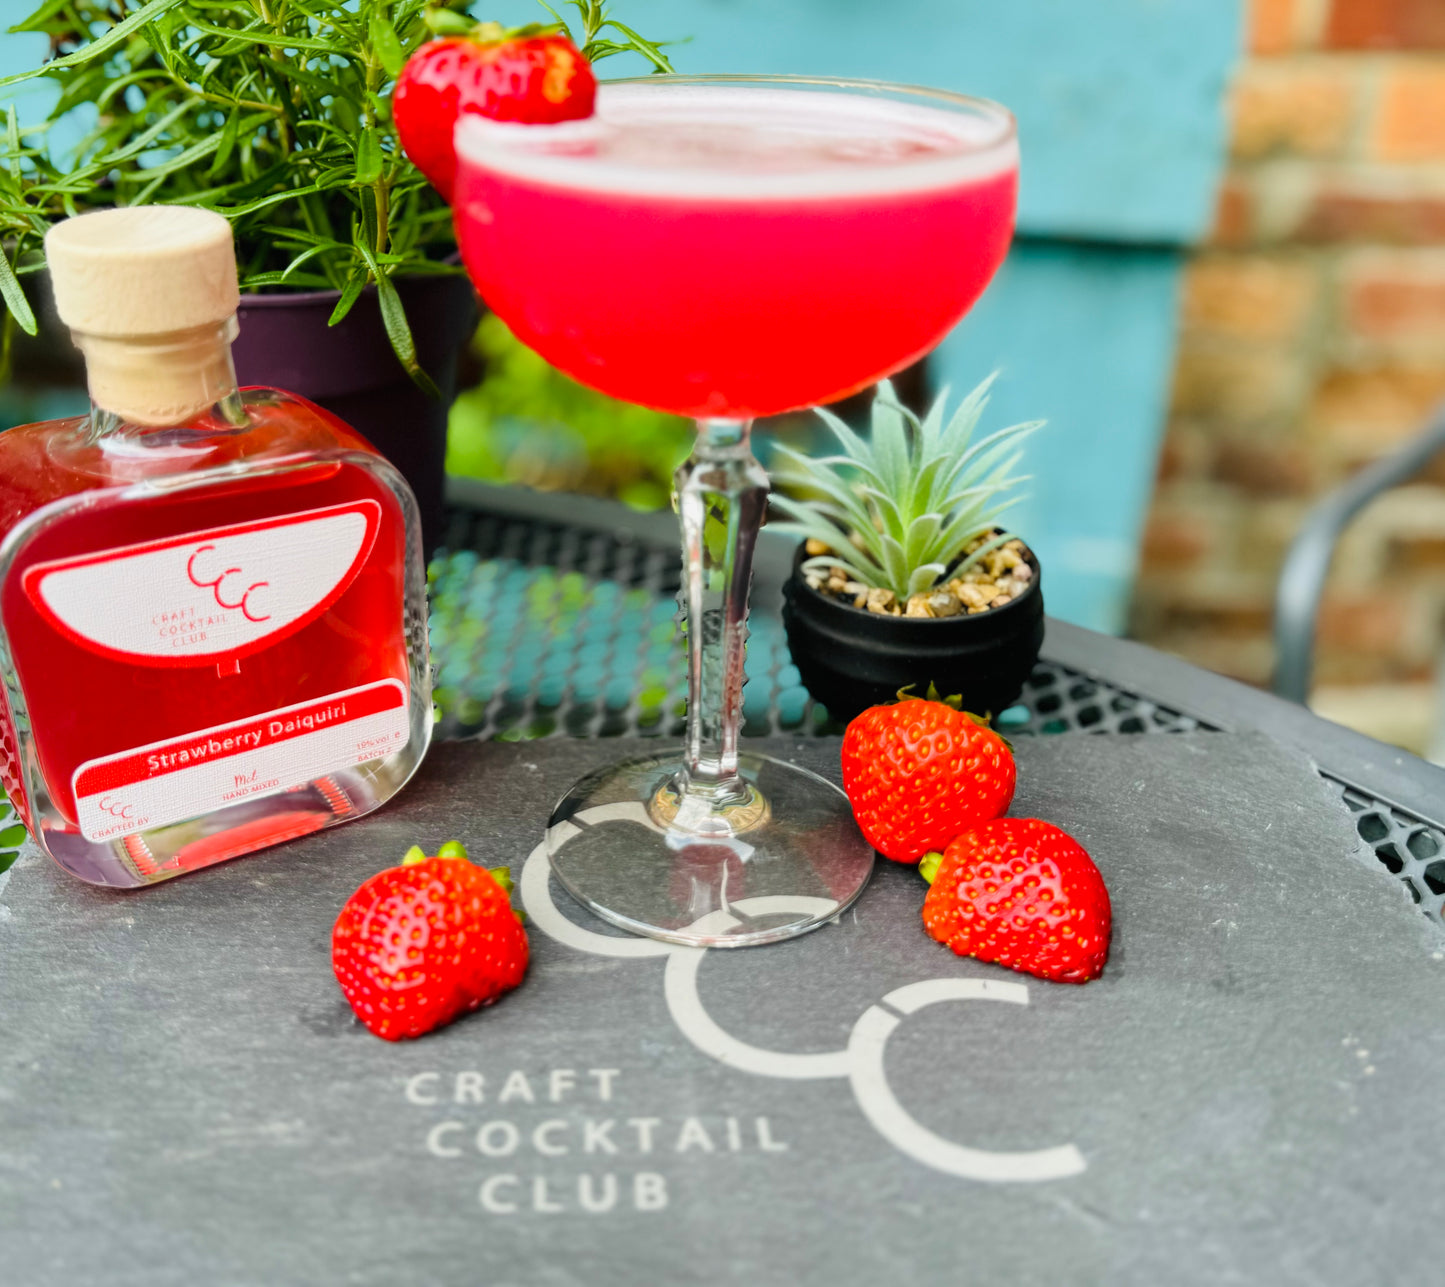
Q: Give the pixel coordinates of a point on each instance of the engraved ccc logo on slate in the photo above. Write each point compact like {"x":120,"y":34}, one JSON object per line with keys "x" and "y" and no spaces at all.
{"x":861,"y":1062}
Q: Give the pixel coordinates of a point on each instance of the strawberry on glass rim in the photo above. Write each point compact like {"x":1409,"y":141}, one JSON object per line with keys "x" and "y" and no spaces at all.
{"x":529,"y":75}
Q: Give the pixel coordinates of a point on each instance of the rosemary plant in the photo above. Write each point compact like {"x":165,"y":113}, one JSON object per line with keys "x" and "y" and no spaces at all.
{"x":274,"y":113}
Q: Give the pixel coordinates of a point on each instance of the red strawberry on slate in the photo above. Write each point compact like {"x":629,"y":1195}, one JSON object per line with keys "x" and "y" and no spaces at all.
{"x":1021,"y":893}
{"x":920,"y":771}
{"x":531,"y":76}
{"x":420,"y":944}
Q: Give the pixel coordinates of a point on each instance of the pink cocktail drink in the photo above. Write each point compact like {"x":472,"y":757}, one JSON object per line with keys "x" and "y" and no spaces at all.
{"x":725,"y":248}
{"x":736,"y":251}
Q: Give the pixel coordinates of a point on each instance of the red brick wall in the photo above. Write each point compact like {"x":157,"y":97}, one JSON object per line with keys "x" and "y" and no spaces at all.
{"x":1313,"y":339}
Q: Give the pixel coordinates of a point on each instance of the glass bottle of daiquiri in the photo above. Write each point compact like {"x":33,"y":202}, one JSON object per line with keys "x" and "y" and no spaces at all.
{"x":212,"y":600}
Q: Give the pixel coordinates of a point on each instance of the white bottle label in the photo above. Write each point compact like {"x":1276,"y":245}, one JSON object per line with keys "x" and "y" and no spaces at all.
{"x":207,"y":596}
{"x":184,"y":777}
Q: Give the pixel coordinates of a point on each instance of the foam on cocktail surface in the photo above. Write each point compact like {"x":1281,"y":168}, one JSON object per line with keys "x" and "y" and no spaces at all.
{"x":738,"y":140}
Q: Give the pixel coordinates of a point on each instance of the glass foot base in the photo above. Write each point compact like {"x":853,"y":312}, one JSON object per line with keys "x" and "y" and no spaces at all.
{"x":624,"y":845}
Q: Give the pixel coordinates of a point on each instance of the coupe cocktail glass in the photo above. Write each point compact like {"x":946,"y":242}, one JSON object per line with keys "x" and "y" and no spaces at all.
{"x":727,"y":247}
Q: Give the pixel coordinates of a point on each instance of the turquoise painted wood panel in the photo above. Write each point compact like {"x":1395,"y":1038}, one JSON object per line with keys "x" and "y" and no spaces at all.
{"x":1120,"y":102}
{"x":1083,"y":337}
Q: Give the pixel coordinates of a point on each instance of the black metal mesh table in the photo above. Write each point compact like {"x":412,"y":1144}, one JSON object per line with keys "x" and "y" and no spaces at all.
{"x":556,"y":617}
{"x":1244,"y":1096}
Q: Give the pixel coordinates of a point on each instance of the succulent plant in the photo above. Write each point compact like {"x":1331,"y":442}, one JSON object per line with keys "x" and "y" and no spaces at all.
{"x":897,"y":510}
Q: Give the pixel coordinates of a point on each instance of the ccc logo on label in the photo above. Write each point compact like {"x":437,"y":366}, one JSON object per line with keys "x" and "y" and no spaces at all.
{"x":232,"y":578}
{"x":116,"y":809}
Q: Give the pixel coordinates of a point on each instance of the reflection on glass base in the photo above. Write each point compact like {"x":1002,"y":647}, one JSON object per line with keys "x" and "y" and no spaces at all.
{"x":613,"y":850}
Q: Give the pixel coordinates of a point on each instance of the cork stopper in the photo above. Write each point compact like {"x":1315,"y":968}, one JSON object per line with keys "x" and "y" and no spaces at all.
{"x":142,"y":270}
{"x":149,"y":293}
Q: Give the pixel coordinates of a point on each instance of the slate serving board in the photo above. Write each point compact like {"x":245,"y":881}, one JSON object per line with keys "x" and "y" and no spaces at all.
{"x":1250,"y":1094}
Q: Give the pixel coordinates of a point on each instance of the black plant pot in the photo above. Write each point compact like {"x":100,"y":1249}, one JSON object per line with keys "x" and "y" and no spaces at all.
{"x":350,"y":370}
{"x":850,"y":659}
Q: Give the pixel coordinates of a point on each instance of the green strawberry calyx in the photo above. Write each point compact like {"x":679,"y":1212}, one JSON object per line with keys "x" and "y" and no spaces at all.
{"x":954,"y":703}
{"x":503,"y":877}
{"x":455,"y":849}
{"x":452,"y":849}
{"x":906,"y":694}
{"x":445,"y":21}
{"x":929,"y":864}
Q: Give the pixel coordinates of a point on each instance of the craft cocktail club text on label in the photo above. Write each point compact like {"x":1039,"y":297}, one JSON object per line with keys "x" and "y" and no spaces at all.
{"x":566,"y":1141}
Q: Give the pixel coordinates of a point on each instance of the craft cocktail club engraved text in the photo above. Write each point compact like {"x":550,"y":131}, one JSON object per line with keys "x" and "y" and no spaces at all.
{"x":565,"y":1140}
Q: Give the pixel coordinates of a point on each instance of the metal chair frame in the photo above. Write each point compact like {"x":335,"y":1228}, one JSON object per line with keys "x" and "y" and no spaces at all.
{"x":1302,"y":579}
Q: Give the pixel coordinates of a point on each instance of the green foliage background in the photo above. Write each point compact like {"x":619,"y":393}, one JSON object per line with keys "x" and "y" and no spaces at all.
{"x":528,"y":423}
{"x":275,"y":113}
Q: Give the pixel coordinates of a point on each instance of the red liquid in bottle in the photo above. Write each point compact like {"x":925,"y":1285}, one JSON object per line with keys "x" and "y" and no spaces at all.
{"x":206,"y":634}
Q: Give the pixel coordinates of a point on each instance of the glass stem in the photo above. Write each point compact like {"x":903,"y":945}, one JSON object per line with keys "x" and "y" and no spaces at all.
{"x":722,"y":493}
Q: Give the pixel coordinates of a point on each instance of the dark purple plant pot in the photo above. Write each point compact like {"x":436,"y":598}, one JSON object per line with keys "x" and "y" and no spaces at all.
{"x":850,"y":659}
{"x":350,"y":370}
